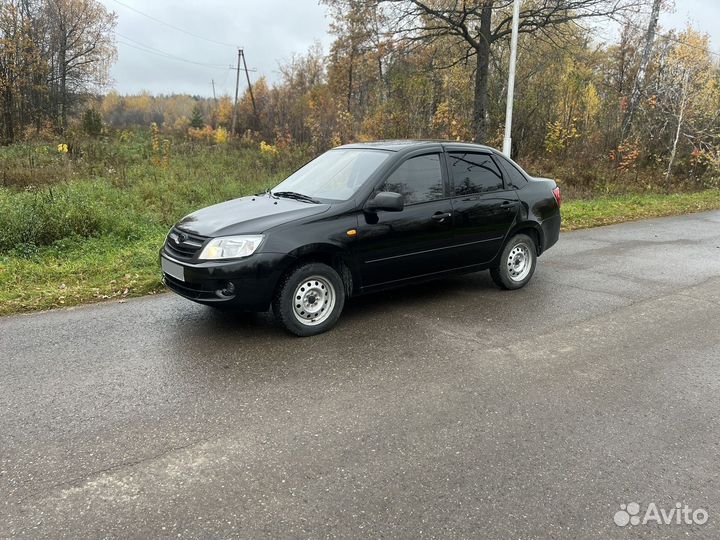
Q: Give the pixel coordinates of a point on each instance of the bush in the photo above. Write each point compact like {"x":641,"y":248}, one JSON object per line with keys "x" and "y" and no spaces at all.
{"x":40,"y":218}
{"x":117,"y":186}
{"x":92,"y":122}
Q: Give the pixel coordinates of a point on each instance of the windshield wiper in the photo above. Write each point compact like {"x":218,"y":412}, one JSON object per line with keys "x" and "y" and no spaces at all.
{"x":294,"y":195}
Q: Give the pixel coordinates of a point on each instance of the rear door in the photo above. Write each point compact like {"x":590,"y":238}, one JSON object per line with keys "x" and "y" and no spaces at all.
{"x":484,"y":205}
{"x":395,"y":246}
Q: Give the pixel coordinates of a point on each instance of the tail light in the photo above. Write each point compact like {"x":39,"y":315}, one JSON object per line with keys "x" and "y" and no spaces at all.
{"x":558,"y":196}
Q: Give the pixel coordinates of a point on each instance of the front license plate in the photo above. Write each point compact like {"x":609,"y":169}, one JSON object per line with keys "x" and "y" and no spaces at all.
{"x":173,"y":269}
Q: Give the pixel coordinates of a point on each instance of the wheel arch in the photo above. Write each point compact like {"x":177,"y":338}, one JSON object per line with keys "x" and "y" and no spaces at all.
{"x":533,"y":230}
{"x":334,"y":256}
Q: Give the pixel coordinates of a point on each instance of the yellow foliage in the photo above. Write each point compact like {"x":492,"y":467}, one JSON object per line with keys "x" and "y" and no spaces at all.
{"x":221,"y":135}
{"x":449,"y":125}
{"x":165,"y":153}
{"x":559,"y":136}
{"x":364,"y":137}
{"x":268,"y":149}
{"x":709,"y":159}
{"x":181,"y":124}
{"x":206,"y":134}
{"x":336,"y":140}
{"x":691,"y":49}
{"x":62,"y":148}
{"x":225,"y":111}
{"x":592,"y":102}
{"x":155,"y":143}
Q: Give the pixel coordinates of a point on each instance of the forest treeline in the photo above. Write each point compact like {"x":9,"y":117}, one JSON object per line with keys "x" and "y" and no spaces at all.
{"x":53,"y":55}
{"x":642,"y":107}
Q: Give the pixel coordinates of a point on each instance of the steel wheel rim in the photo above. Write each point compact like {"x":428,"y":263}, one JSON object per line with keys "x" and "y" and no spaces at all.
{"x":313,"y":301}
{"x":519,"y":262}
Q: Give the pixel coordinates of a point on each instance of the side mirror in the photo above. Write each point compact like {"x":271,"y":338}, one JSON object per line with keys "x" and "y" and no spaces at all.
{"x":386,"y":200}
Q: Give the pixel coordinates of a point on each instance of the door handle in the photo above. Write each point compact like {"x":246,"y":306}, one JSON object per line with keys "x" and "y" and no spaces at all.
{"x":508,"y":205}
{"x":441,"y":216}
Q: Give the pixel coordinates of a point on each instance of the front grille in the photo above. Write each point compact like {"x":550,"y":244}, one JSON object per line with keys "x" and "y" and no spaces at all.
{"x":182,"y":245}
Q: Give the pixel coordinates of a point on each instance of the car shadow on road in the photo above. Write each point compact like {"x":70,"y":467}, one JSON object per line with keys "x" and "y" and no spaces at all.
{"x":419,"y":296}
{"x":358,"y":310}
{"x":252,"y":345}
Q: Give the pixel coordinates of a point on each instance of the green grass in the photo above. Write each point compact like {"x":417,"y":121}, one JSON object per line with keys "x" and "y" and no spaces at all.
{"x":88,"y":227}
{"x":78,"y":271}
{"x":582,"y":214}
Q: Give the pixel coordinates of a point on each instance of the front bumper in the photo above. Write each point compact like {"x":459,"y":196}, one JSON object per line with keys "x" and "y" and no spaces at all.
{"x":247,"y":284}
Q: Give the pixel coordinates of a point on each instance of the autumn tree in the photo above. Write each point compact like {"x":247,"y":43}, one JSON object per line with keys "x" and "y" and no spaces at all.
{"x":23,"y":68}
{"x":358,"y":55}
{"x":478,"y":25}
{"x":196,"y":120}
{"x":639,"y":83}
{"x":300,"y":74}
{"x":92,"y":122}
{"x":82,"y":46}
{"x":225,"y":112}
{"x":52,"y":52}
{"x":687,"y":94}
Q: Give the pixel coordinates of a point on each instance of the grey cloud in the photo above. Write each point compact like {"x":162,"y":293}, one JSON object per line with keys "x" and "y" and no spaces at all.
{"x":269,"y":31}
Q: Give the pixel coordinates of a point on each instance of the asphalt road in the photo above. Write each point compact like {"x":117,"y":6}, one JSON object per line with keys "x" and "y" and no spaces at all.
{"x":447,"y":410}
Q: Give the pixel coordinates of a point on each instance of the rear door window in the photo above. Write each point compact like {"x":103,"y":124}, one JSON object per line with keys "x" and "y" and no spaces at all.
{"x":474,"y":173}
{"x":514,"y":177}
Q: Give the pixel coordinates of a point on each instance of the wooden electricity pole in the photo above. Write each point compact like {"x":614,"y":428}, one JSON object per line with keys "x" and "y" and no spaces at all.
{"x":247,"y":76}
{"x":241,"y":58}
{"x":237,"y":84}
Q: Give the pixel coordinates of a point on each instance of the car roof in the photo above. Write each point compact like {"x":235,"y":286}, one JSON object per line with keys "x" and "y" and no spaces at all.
{"x":407,"y":144}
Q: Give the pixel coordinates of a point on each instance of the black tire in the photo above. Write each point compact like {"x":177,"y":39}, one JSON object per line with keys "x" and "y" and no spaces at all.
{"x":322,"y":288}
{"x":519,"y":250}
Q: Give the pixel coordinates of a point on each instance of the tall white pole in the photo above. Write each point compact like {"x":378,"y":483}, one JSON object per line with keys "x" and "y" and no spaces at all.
{"x":507,"y":141}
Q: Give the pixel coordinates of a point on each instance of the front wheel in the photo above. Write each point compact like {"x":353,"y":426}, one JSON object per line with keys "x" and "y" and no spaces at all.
{"x":517,"y":263}
{"x":309,"y":300}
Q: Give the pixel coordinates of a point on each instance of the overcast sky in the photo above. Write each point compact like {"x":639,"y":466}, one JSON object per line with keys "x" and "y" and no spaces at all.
{"x":209,"y":31}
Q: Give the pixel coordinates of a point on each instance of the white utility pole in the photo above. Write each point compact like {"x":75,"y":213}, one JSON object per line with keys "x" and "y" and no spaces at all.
{"x":507,"y":141}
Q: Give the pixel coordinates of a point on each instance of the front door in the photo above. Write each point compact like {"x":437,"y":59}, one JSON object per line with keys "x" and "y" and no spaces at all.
{"x":396,"y":246}
{"x":484,"y":209}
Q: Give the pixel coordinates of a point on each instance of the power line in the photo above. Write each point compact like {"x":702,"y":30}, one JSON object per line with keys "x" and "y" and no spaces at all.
{"x":176,"y":58}
{"x":160,"y":52}
{"x":160,"y":21}
{"x":667,"y":37}
{"x":222,"y":84}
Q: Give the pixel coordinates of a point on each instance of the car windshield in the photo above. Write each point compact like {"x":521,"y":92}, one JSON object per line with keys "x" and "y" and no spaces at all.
{"x":335,"y":175}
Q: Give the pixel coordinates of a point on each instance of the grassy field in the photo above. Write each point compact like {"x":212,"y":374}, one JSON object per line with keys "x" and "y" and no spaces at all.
{"x":87,"y":226}
{"x":582,"y":214}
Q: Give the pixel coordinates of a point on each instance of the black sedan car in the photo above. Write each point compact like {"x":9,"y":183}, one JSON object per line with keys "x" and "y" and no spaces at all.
{"x":361,"y":218}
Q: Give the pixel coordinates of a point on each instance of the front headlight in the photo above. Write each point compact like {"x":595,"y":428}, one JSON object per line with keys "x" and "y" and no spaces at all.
{"x":230,"y":247}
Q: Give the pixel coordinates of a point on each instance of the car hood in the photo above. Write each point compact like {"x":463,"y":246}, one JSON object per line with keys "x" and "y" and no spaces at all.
{"x":247,"y":215}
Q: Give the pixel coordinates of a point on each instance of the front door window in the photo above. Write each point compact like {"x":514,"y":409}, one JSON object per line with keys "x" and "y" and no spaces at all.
{"x":418,"y":179}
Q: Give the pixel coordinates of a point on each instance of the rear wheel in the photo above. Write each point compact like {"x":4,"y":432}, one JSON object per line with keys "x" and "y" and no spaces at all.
{"x":517,"y":263}
{"x":309,"y":300}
